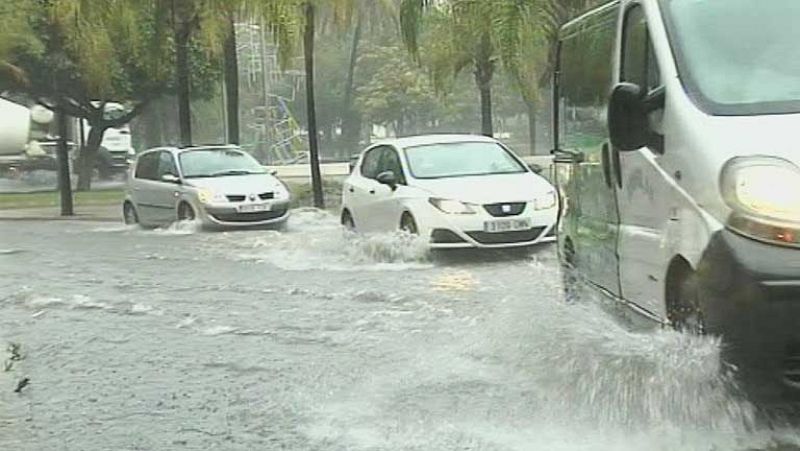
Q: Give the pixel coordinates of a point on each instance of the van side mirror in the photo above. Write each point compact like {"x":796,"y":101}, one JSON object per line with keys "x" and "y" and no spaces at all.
{"x":628,"y":117}
{"x":387,"y":178}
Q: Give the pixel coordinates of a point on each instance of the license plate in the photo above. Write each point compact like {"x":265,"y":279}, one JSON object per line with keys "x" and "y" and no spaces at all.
{"x":255,"y":208}
{"x":507,"y":225}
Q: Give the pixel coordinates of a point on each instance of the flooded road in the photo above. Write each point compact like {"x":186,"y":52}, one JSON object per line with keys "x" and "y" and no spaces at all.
{"x":315,"y":340}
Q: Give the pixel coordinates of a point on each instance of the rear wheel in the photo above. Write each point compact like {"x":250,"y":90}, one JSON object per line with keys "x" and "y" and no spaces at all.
{"x":408,"y":224}
{"x":129,"y":214}
{"x":186,"y":212}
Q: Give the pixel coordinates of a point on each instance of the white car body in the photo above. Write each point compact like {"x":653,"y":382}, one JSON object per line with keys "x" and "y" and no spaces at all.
{"x":236,"y":201}
{"x":376,"y":207}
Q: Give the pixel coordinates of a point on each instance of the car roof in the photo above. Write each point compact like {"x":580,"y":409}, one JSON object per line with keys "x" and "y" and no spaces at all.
{"x":424,"y":140}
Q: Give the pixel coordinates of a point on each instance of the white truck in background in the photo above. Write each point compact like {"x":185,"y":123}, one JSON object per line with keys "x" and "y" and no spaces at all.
{"x":27,"y":144}
{"x":22,"y":131}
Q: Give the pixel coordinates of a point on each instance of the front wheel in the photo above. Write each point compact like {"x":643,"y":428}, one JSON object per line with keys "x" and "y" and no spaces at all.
{"x":408,"y":224}
{"x":685,"y":311}
{"x":186,"y":212}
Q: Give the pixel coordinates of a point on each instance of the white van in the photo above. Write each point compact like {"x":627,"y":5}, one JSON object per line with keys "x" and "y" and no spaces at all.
{"x":679,"y":170}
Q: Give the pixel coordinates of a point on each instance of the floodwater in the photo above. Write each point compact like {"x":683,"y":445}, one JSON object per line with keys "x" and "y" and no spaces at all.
{"x":313,"y":339}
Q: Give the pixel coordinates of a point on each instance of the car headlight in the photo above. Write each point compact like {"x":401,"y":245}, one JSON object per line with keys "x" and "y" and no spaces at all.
{"x":764,"y":194}
{"x":208,"y":196}
{"x":546,"y":201}
{"x":452,"y":207}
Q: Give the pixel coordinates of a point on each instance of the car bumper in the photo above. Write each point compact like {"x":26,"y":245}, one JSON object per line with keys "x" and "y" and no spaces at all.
{"x":447,"y":231}
{"x":230,"y":218}
{"x":751,"y":297}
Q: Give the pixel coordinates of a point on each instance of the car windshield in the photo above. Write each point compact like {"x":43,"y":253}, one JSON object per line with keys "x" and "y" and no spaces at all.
{"x":461,"y":160}
{"x":218,"y":163}
{"x":730,"y":66}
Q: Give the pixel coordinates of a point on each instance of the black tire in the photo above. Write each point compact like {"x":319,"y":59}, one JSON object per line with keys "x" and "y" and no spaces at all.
{"x":347,"y":221}
{"x":186,"y":212}
{"x":129,"y":214}
{"x":408,"y":224}
{"x":684,"y":308}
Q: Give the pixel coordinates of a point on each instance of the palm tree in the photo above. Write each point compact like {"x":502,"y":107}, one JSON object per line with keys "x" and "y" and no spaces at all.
{"x":463,"y":34}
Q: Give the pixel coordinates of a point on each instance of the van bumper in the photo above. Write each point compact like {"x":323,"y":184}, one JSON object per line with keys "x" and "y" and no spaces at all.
{"x":750,"y":295}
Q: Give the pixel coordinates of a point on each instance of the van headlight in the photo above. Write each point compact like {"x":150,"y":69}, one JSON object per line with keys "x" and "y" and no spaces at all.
{"x":546,"y":201}
{"x":208,"y":196}
{"x":452,"y":207}
{"x":764,"y":194}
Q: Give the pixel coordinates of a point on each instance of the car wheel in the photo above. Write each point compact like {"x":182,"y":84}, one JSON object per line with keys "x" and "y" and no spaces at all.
{"x":129,"y":214}
{"x":408,"y":224}
{"x":347,"y":221}
{"x":685,"y":311}
{"x":186,"y":212}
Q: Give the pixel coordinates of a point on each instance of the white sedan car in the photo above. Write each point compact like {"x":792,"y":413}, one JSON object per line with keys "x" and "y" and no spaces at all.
{"x":456,"y":191}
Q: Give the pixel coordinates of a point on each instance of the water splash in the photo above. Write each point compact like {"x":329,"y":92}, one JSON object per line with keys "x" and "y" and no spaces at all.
{"x":315,"y":240}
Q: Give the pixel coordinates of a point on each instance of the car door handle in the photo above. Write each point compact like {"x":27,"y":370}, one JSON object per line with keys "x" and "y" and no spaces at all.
{"x":372,"y":191}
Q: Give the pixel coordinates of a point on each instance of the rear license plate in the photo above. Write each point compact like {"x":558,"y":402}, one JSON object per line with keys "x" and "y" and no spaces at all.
{"x":507,"y":225}
{"x":255,"y":208}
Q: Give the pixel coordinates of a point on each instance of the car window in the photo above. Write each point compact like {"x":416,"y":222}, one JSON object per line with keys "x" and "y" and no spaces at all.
{"x":390,"y":161}
{"x":166,"y":165}
{"x":639,"y":64}
{"x":371,"y":164}
{"x":147,"y":166}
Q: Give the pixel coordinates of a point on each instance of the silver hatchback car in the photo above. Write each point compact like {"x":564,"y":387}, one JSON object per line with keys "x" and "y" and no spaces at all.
{"x":220,"y":186}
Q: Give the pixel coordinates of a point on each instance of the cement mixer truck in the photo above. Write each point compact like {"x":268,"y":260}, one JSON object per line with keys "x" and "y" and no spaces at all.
{"x":22,"y":132}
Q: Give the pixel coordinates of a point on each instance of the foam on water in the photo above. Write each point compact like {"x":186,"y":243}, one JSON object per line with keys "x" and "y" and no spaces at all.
{"x":315,"y":240}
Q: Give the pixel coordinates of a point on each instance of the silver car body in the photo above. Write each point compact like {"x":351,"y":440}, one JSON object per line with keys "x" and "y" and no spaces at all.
{"x":235,"y":201}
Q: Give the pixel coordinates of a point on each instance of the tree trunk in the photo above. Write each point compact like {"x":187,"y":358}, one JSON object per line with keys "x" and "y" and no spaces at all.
{"x":313,"y":134}
{"x":351,"y":125}
{"x":64,"y":182}
{"x":484,"y":72}
{"x":232,"y":83}
{"x":183,"y":82}
{"x":531,"y":107}
{"x":88,"y":157}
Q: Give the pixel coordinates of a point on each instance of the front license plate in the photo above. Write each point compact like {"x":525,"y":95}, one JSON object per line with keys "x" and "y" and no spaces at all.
{"x":507,"y":225}
{"x":255,"y":208}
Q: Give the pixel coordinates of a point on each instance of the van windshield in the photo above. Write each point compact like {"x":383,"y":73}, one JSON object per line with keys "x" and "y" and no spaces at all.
{"x":738,"y":57}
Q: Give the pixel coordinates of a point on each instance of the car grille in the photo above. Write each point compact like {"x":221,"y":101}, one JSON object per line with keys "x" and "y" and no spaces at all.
{"x":444,"y":236}
{"x":506,"y":209}
{"x":523,"y":236}
{"x":266,"y":196}
{"x":249,"y":217}
{"x":236,"y":198}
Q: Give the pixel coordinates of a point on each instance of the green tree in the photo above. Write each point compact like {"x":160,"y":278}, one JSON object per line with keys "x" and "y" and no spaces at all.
{"x":458,"y":34}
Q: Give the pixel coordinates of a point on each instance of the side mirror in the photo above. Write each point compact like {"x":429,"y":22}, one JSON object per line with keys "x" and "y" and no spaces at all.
{"x":538,"y":169}
{"x":628,"y":116}
{"x":387,"y":178}
{"x":171,"y":178}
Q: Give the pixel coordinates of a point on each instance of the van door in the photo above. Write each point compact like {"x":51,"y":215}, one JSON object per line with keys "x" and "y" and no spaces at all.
{"x":642,"y":188}
{"x":590,"y":219}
